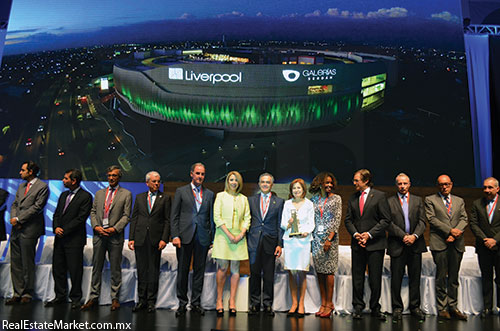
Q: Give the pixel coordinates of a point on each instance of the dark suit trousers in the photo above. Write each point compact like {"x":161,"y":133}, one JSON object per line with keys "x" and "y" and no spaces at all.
{"x":199,"y":253}
{"x":148,"y":271}
{"x":263,"y":263}
{"x":398,"y":264}
{"x":64,"y":260}
{"x":489,"y":261}
{"x":361,"y":258}
{"x":447,"y":262}
{"x":22,"y":265}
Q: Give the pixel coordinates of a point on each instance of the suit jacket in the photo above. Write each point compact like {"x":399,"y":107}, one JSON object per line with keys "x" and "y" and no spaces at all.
{"x":441,"y":223}
{"x":268,"y":229}
{"x":480,"y":224}
{"x":416,"y":216}
{"x":29,"y":210}
{"x":3,"y":198}
{"x":185,"y":219}
{"x":119,"y":212}
{"x":375,"y":220}
{"x":73,"y":219}
{"x":157,"y":222}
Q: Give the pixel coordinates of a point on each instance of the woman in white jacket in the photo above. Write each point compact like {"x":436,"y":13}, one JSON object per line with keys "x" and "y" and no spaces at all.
{"x":297,"y":249}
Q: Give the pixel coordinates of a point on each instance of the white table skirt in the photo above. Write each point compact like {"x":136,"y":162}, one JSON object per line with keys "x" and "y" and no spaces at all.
{"x":469,"y":296}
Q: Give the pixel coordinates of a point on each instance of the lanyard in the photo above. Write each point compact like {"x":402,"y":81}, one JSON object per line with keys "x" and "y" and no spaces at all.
{"x":262,"y":207}
{"x":492,"y":207}
{"x":201,"y":196}
{"x":321,"y":208}
{"x":107,"y":204}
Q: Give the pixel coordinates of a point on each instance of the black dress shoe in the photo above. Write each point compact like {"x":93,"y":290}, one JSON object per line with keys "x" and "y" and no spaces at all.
{"x":253,"y":310}
{"x":75,"y":305}
{"x":418,"y":314}
{"x":397,"y":314}
{"x":197,"y":309}
{"x":357,"y":314}
{"x":151,"y":309}
{"x":378,"y":315}
{"x":485,"y":313}
{"x":269,"y":311}
{"x":180,"y":311}
{"x":139,"y":306}
{"x":54,"y":302}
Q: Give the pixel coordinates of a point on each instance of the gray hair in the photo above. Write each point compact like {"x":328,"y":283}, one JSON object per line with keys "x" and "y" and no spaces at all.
{"x":115,"y":167}
{"x":150,"y":174}
{"x":267,"y":174}
{"x":493,"y":179}
{"x":401,"y":174}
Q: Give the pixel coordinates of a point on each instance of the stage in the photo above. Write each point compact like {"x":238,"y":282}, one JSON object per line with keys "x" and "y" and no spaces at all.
{"x":164,"y":319}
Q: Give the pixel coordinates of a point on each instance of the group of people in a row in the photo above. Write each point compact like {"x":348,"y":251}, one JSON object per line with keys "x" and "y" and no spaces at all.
{"x":259,"y":228}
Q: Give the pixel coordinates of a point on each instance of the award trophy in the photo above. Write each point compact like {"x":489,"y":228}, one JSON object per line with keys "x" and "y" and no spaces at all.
{"x":295,"y":225}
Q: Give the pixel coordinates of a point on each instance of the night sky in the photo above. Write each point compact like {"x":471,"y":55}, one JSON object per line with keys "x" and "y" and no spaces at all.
{"x":51,"y":24}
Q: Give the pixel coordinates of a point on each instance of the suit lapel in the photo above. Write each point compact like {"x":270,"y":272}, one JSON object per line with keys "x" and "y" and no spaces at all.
{"x":368,"y":201}
{"x":159,"y":195}
{"x":440,"y":204}
{"x":24,"y":189}
{"x":190,"y":193}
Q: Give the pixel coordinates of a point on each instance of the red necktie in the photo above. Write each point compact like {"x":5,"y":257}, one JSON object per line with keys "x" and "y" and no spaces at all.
{"x":27,"y":189}
{"x":361,"y":203}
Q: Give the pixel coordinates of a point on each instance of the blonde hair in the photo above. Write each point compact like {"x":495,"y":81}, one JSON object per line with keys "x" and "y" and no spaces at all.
{"x":239,"y":179}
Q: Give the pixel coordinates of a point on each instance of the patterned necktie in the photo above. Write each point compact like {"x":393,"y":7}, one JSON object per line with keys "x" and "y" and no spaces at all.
{"x":405,"y":212}
{"x":150,"y":201}
{"x":107,"y":205}
{"x":448,"y":205}
{"x":361,"y":203}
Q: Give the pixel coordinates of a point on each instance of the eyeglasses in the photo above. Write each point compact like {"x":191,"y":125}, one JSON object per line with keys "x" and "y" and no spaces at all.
{"x":444,"y":184}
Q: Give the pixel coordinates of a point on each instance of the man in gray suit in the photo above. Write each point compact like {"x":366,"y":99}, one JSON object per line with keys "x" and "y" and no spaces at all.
{"x":405,"y":245}
{"x":485,"y":224}
{"x":109,"y":215}
{"x":448,"y":219}
{"x":28,"y":224}
{"x":192,"y":234}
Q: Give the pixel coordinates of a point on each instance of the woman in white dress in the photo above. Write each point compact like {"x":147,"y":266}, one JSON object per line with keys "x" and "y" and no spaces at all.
{"x":297,"y":249}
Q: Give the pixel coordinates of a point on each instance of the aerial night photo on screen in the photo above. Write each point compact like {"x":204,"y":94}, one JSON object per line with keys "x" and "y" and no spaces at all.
{"x":289,"y":87}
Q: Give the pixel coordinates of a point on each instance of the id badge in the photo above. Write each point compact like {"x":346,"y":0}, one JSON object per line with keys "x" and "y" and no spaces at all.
{"x":321,"y":228}
{"x":105,"y":223}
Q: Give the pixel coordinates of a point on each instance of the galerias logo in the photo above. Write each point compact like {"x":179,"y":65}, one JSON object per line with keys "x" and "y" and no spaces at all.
{"x":291,"y":75}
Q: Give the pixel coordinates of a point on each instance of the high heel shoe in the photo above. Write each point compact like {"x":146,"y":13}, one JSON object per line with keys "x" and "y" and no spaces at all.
{"x":327,"y":312}
{"x":291,"y":313}
{"x":299,"y":315}
{"x":232,"y":311}
{"x":320,"y":311}
{"x":220,"y":312}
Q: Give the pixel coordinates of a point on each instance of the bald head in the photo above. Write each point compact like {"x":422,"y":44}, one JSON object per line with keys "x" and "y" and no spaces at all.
{"x":444,"y":184}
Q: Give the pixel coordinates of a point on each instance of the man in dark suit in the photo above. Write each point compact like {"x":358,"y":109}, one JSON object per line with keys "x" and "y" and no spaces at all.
{"x":3,"y":198}
{"x":405,"y":245}
{"x":192,"y":234}
{"x":264,"y":240}
{"x":448,"y":220}
{"x":28,"y":224}
{"x":149,"y":232}
{"x":367,"y":219}
{"x":109,"y":215}
{"x":70,"y":216}
{"x":485,"y":224}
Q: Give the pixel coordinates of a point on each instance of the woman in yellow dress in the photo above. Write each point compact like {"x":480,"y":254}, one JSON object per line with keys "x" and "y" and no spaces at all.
{"x":232,"y":220}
